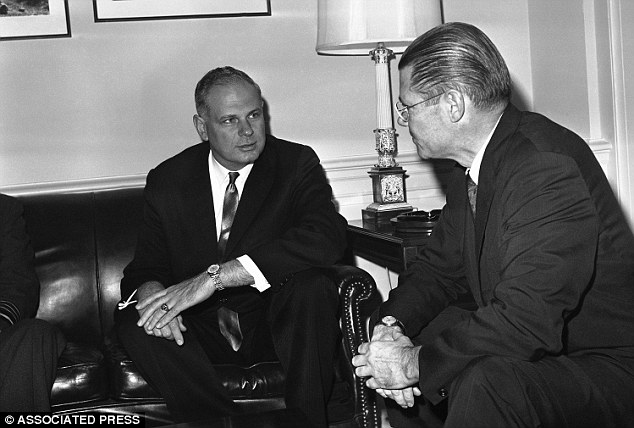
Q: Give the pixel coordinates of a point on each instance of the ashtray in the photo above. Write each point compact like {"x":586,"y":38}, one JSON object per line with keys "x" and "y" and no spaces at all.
{"x":415,"y":222}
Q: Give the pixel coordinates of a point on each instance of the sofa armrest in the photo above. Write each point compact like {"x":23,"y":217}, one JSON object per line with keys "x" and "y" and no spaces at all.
{"x":358,"y":294}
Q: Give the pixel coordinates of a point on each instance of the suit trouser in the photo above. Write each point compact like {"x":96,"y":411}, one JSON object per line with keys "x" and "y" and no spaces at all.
{"x":559,"y":392}
{"x":29,"y":351}
{"x":298,"y":326}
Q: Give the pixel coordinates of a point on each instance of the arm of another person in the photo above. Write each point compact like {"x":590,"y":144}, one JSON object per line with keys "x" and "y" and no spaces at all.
{"x":316,"y":235}
{"x":436,"y":277}
{"x":19,"y":286}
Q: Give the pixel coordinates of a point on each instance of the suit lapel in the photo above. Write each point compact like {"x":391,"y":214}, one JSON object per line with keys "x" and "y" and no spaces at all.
{"x":254,"y":194}
{"x":491,"y":163}
{"x":472,"y":267}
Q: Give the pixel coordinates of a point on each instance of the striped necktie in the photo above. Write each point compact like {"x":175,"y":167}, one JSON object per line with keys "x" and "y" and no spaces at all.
{"x":229,"y":208}
{"x":472,"y":193}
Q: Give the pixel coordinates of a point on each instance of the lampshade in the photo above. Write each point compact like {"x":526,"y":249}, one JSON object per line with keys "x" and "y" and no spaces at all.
{"x":354,"y":27}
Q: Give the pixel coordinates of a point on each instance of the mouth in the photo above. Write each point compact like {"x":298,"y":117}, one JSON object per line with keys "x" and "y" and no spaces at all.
{"x":248,"y":146}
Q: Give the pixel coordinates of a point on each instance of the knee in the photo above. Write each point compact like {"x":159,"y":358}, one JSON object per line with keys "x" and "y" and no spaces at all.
{"x":39,"y":328}
{"x":37,"y":331}
{"x":313,"y":287}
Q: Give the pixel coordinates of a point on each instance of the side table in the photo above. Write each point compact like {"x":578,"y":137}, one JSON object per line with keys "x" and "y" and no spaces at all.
{"x":382,"y":247}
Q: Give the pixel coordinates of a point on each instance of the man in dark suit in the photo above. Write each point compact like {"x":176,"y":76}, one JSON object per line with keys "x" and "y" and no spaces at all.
{"x":541,"y":244}
{"x":29,"y":348}
{"x":242,"y":288}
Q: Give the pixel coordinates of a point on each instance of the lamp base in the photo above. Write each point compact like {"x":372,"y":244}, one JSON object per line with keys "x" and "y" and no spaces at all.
{"x":388,"y":191}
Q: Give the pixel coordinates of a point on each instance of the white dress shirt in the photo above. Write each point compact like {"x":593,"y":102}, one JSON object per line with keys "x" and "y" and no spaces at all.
{"x":219,"y":177}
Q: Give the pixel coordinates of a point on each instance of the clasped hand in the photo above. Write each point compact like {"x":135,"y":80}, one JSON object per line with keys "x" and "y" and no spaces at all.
{"x":390,"y":361}
{"x":159,"y":308}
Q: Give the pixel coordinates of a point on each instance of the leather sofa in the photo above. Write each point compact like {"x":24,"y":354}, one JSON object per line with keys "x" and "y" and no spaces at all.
{"x":82,"y":241}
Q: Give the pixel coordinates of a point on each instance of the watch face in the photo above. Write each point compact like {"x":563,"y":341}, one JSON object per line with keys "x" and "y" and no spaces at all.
{"x":213,"y":269}
{"x":389,"y":320}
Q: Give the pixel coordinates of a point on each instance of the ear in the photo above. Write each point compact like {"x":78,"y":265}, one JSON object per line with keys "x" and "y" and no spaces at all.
{"x":201,"y":127}
{"x":456,"y":101}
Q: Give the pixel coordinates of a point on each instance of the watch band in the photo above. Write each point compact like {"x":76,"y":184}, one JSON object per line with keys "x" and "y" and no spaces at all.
{"x":214,"y":273}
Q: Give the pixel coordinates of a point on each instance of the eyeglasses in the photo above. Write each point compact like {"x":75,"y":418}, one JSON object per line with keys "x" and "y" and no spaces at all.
{"x":403,"y":110}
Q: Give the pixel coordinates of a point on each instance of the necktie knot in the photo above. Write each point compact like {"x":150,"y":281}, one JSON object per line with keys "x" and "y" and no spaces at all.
{"x":232,"y":177}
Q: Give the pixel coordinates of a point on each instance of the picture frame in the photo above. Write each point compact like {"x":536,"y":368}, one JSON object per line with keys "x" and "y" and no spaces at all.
{"x":26,"y":25}
{"x":135,"y":10}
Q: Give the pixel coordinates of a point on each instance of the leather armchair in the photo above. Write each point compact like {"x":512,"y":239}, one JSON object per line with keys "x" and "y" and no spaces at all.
{"x":82,"y":243}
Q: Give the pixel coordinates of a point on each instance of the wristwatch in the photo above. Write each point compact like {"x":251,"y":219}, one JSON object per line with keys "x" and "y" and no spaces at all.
{"x":390,"y":321}
{"x":214,"y":273}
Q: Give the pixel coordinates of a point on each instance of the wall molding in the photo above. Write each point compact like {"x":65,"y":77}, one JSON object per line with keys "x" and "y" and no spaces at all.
{"x":623,"y":150}
{"x":348,"y":176}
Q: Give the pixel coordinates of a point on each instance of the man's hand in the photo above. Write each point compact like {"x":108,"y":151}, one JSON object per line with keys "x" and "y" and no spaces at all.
{"x":390,"y":364}
{"x":384,"y":333}
{"x":174,"y":330}
{"x":159,"y":309}
{"x":404,"y":397}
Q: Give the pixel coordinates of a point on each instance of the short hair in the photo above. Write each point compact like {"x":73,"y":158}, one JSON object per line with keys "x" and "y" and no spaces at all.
{"x":217,"y":77}
{"x":458,"y":56}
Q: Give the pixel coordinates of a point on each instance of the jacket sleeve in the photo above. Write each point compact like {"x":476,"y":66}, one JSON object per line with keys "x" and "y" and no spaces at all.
{"x":151,"y":260}
{"x":316,"y":233}
{"x":19,"y":285}
{"x":437,"y":276}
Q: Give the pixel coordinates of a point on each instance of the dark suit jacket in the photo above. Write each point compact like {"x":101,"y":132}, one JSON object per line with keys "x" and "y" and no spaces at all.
{"x":19,"y":285}
{"x":286,"y":221}
{"x":550,"y":261}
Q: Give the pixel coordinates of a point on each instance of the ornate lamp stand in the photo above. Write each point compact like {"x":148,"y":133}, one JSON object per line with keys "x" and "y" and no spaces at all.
{"x":388,"y":179}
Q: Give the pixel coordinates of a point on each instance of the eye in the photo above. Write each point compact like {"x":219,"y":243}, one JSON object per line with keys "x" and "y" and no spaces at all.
{"x":255,"y":115}
{"x":230,"y":121}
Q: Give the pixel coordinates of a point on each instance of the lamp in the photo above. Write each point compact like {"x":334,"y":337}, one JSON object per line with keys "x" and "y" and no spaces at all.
{"x":378,"y":28}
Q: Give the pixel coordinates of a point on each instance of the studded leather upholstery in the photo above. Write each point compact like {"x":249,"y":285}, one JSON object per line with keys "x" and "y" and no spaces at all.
{"x":82,"y":243}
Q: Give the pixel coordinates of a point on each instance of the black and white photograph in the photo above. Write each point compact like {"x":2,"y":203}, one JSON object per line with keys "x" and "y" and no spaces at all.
{"x":21,"y":19}
{"x":126,"y":10}
{"x":317,"y":213}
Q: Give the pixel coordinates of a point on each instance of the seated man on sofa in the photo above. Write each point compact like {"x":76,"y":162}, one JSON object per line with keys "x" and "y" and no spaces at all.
{"x":226,"y":268}
{"x":29,"y":348}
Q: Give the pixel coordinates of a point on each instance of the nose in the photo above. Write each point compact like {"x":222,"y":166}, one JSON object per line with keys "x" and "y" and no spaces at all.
{"x":246,"y":129}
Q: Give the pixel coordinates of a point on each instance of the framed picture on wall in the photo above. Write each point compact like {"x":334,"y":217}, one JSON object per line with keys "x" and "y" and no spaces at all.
{"x":33,"y":19}
{"x":130,"y":10}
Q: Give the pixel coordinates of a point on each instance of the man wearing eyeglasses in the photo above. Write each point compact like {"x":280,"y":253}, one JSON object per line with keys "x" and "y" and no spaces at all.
{"x":533,"y":232}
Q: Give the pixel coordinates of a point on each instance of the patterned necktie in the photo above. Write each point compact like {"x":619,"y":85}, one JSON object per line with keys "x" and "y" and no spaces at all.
{"x":472,"y":193}
{"x":229,"y":207}
{"x":228,"y":320}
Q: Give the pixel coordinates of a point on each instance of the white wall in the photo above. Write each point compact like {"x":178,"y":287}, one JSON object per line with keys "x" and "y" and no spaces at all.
{"x":117,"y":98}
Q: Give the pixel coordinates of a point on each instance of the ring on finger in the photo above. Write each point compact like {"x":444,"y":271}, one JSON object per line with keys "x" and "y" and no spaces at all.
{"x":165,"y":307}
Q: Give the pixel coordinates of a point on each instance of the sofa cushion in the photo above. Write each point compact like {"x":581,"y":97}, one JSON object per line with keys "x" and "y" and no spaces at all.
{"x":81,"y":376}
{"x":62,"y":234}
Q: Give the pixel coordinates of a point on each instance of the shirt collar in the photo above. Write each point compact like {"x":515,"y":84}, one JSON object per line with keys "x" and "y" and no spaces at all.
{"x":219,"y":173}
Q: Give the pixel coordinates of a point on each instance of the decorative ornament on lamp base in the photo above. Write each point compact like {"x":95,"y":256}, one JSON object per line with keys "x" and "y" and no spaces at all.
{"x":388,"y":184}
